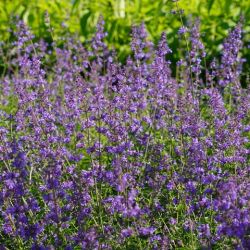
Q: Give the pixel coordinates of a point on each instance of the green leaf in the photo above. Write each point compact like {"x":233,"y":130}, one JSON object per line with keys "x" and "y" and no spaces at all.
{"x":31,"y":18}
{"x":210,"y":5}
{"x":83,"y":23}
{"x":227,"y":6}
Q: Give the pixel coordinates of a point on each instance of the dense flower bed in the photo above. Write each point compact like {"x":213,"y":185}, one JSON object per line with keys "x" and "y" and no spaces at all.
{"x":99,"y":155}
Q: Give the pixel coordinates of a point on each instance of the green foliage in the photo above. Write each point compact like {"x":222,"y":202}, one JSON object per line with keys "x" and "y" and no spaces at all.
{"x":80,"y":16}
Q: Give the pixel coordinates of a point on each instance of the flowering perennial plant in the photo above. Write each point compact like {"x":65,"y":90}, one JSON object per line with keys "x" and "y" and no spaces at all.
{"x":95,"y":154}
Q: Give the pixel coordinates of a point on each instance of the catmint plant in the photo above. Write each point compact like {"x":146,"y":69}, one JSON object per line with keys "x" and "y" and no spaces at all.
{"x":99,"y":154}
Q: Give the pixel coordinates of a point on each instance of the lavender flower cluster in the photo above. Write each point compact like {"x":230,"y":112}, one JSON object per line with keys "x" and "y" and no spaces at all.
{"x":95,"y":154}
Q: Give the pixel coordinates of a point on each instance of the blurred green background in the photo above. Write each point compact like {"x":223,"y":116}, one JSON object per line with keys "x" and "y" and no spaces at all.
{"x":80,"y":16}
